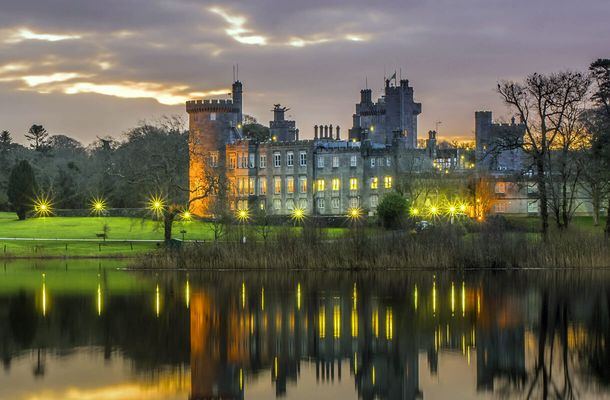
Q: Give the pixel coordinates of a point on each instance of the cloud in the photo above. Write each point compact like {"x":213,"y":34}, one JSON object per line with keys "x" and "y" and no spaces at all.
{"x":236,"y":28}
{"x":36,"y":80}
{"x":137,"y":90}
{"x":27,"y":34}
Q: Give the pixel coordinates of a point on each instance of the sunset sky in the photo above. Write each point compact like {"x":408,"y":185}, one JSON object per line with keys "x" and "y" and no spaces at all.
{"x":96,"y":68}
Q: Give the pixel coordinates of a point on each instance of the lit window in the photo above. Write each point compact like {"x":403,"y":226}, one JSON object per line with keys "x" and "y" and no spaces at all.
{"x":500,"y":187}
{"x":320,"y":162}
{"x":262,"y":185}
{"x":262,"y":205}
{"x":353,"y":183}
{"x":335,"y":202}
{"x":335,"y":161}
{"x":277,"y":185}
{"x":289,"y":159}
{"x":240,"y":186}
{"x":321,"y":204}
{"x":303,"y":184}
{"x":290,"y":184}
{"x":232,"y":160}
{"x":372,"y":161}
{"x":374,"y":201}
{"x":321,"y":185}
{"x":277,"y":204}
{"x":374,"y":182}
{"x":263,"y":161}
{"x":303,"y":158}
{"x":252,"y":185}
{"x":336,"y":184}
{"x":387,"y":182}
{"x":353,"y":161}
{"x":277,"y":160}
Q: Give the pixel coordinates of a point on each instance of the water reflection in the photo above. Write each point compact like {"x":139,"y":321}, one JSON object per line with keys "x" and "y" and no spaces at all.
{"x":399,"y":336}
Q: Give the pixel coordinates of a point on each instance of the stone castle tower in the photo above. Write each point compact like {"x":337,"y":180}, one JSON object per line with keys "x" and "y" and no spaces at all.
{"x":394,"y":113}
{"x":212,"y":125}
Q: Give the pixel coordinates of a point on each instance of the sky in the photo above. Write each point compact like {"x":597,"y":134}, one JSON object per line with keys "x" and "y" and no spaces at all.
{"x":97,"y":68}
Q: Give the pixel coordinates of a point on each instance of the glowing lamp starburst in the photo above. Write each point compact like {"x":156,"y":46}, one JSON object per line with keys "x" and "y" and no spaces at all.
{"x":434,"y":211}
{"x":186,"y":215}
{"x":243,"y":215}
{"x":298,"y":214}
{"x":414,"y":212}
{"x":354,"y":213}
{"x":98,"y":206}
{"x":452,"y":210}
{"x":43,"y":207}
{"x":156,"y":204}
{"x":463,"y":207}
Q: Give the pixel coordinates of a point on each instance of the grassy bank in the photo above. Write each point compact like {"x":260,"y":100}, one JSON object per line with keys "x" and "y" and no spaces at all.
{"x":442,"y":247}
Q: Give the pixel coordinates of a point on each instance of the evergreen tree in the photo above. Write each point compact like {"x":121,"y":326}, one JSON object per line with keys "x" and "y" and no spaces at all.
{"x":38,"y":137}
{"x":21,"y":188}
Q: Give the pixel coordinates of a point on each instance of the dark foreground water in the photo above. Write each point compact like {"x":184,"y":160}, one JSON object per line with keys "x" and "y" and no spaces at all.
{"x":87,"y":331}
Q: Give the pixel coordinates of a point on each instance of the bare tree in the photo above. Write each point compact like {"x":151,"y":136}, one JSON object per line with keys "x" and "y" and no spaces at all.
{"x":542,"y":103}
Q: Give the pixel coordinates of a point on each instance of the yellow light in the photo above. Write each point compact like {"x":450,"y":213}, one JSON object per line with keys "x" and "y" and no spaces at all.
{"x":241,"y":379}
{"x":462,"y":207}
{"x":354,"y":213}
{"x":372,"y":128}
{"x":463,"y":299}
{"x":243,"y":215}
{"x":389,"y":324}
{"x":298,"y":214}
{"x":298,"y":296}
{"x":157,"y":301}
{"x":434,"y":297}
{"x":452,"y":210}
{"x":337,"y":322}
{"x":243,"y":295}
{"x":186,"y":215}
{"x":322,"y":322}
{"x":43,"y":207}
{"x":156,"y":204}
{"x":415,"y":299}
{"x":188,"y":294}
{"x":262,"y":299}
{"x":373,"y":376}
{"x":354,"y":323}
{"x":44,"y":296}
{"x":434,"y":210}
{"x":98,"y":205}
{"x":414,"y":212}
{"x":375,"y":322}
{"x":99,"y":299}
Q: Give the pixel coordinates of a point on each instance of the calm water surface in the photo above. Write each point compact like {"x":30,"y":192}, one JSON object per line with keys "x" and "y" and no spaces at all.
{"x":85,"y":330}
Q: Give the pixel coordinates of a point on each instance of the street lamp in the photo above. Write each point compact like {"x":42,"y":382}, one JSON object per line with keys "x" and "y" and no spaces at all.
{"x":98,"y":206}
{"x":43,"y":207}
{"x":354,"y":214}
{"x":243,"y":215}
{"x":156,"y":204}
{"x":298,"y":215}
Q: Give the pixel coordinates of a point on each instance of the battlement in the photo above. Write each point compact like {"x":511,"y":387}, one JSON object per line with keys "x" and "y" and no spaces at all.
{"x":211,"y":105}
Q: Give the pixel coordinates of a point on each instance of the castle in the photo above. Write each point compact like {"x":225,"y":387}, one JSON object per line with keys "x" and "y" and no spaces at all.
{"x":324,"y":176}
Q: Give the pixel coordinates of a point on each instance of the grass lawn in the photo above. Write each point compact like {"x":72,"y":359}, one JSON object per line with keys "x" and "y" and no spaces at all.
{"x":122,"y":229}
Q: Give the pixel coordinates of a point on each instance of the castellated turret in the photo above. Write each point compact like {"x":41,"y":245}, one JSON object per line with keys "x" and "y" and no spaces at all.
{"x":212,"y":125}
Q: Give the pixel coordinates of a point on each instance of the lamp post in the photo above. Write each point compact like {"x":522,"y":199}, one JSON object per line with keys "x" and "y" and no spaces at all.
{"x":242,"y":216}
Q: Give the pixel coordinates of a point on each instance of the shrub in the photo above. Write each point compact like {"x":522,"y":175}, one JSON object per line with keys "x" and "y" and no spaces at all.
{"x":392,"y":210}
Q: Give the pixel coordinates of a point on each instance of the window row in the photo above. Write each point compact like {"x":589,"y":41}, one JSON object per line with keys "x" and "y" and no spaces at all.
{"x":335,"y":203}
{"x":247,"y":185}
{"x":245,"y":160}
{"x":320,"y":184}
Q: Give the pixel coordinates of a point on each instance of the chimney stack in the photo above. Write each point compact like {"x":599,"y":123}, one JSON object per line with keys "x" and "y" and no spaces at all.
{"x":315,"y":132}
{"x":338,"y":134}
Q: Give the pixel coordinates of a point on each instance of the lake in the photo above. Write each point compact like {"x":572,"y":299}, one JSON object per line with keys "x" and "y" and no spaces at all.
{"x":87,"y":330}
